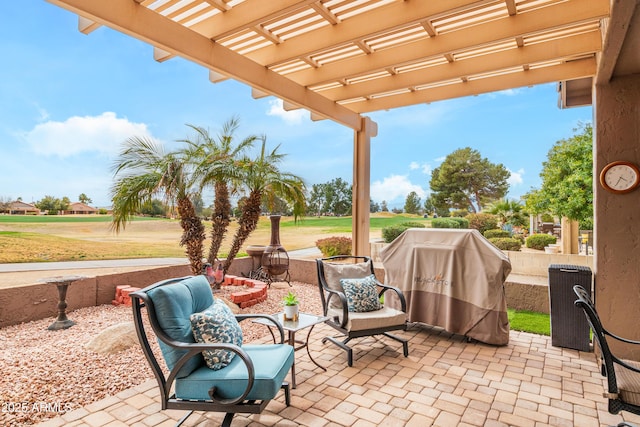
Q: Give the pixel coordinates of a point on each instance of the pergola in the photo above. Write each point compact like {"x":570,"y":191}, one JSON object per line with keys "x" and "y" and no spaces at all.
{"x":341,"y":59}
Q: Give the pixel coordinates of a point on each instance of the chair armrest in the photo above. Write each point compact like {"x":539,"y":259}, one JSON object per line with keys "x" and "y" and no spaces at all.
{"x":271,"y":319}
{"x":385,"y":288}
{"x":343,"y":302}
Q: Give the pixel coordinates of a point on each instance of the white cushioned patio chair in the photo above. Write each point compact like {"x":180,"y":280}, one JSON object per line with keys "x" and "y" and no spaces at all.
{"x":229,"y":377}
{"x":351,"y":298}
{"x":623,"y":376}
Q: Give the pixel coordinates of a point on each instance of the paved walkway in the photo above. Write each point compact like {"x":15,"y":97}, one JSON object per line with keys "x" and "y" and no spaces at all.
{"x":445,"y":381}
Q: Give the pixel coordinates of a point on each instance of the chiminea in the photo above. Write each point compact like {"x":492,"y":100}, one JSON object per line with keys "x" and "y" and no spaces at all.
{"x":275,"y":260}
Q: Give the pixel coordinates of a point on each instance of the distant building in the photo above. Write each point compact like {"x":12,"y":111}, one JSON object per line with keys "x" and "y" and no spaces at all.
{"x":77,"y":208}
{"x":20,"y":208}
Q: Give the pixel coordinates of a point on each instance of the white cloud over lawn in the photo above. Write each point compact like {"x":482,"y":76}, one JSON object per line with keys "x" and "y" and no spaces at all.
{"x":394,"y":188}
{"x":103,"y":134}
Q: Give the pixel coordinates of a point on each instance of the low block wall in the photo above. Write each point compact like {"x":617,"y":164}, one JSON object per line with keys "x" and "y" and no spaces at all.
{"x":39,"y":301}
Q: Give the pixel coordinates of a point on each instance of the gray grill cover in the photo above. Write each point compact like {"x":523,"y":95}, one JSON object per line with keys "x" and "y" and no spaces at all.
{"x":451,"y":278}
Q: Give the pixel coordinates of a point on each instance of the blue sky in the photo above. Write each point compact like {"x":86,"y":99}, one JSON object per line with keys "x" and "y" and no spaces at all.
{"x":69,"y":100}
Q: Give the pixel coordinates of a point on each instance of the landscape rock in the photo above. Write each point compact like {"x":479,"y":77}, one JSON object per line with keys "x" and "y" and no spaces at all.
{"x":113,"y":339}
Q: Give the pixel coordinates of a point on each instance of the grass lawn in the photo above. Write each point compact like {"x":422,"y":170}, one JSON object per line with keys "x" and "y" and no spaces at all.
{"x":31,"y":238}
{"x":528,"y":321}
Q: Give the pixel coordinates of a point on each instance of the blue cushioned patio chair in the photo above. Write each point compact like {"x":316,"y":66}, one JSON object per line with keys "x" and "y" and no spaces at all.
{"x":252,"y":378}
{"x":352,"y":324}
{"x":623,"y":376}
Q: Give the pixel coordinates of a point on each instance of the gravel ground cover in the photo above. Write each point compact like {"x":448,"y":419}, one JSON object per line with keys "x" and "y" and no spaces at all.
{"x":47,"y":373}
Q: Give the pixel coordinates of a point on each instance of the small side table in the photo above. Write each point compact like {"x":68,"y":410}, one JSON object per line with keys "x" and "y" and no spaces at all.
{"x":62,"y":282}
{"x":304,"y":321}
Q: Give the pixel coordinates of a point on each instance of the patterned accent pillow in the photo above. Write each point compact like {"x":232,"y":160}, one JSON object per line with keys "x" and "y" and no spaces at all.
{"x":216,"y":324}
{"x":362,"y":294}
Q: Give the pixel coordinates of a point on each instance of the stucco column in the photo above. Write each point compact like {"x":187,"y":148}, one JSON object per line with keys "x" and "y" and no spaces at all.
{"x":361,"y":195}
{"x":617,"y":216}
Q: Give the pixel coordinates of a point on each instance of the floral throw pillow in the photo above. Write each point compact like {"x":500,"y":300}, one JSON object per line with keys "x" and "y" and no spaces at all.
{"x":362,"y":294}
{"x":216,"y":324}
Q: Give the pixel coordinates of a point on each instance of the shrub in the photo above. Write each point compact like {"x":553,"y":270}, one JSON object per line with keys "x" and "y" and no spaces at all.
{"x":331,"y":246}
{"x":389,"y":234}
{"x":459,"y":213}
{"x":496,"y":232}
{"x":539,"y":241}
{"x":506,"y":243}
{"x":412,"y":224}
{"x":445,"y":223}
{"x":462,"y":222}
{"x":482,"y":222}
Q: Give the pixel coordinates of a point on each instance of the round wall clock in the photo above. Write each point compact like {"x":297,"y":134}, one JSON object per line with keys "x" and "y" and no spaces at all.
{"x":620,"y":177}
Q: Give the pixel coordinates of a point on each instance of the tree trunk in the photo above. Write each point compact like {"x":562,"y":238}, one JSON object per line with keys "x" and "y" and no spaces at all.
{"x":192,"y":234}
{"x":219,"y":219}
{"x":246,"y":224}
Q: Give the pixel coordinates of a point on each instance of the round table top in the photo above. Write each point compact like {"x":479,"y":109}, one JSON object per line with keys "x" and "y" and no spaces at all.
{"x":63,"y":279}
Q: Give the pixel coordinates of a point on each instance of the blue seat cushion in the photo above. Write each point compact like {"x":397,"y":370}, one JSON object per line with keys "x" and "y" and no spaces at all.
{"x":174,"y":303}
{"x":271,"y":363}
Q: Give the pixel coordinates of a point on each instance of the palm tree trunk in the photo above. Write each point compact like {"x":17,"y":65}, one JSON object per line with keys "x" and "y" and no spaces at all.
{"x":246,"y":224}
{"x":192,"y":234}
{"x":219,"y":219}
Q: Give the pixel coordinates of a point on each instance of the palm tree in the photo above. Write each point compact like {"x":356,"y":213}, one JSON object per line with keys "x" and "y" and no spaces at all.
{"x":508,"y":212}
{"x":263,"y":180}
{"x":143,"y":170}
{"x":214,"y":165}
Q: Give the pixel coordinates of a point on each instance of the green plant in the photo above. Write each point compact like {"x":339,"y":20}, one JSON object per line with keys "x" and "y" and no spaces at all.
{"x":445,"y":223}
{"x":462,"y":222}
{"x":490,"y":234}
{"x":412,"y":224}
{"x":482,"y":222}
{"x":290,"y":299}
{"x":529,"y":321}
{"x":506,"y":243}
{"x":331,"y":246}
{"x":539,"y":241}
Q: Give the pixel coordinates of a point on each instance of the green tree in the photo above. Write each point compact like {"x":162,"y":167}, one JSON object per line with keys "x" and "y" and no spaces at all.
{"x":83,"y":198}
{"x":384,"y":207}
{"x":214,"y":159}
{"x":412,"y":203}
{"x":333,"y":197}
{"x":262,"y":179}
{"x":52,"y":204}
{"x":155,"y":207}
{"x":567,"y":178}
{"x":143,"y":170}
{"x":373,"y":207}
{"x":429,"y":207}
{"x":465,"y":180}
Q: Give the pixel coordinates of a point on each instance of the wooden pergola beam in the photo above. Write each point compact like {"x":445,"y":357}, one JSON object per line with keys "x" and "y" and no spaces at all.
{"x":137,"y":21}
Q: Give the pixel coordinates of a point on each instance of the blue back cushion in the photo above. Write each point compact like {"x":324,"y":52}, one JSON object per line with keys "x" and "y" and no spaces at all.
{"x":174,"y":304}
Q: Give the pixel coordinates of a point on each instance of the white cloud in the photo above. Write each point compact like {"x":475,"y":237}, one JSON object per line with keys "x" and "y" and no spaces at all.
{"x":394,"y":187}
{"x":516,"y":177}
{"x":424,"y":167}
{"x":103,"y":134}
{"x":292,"y":117}
{"x":441,"y":159}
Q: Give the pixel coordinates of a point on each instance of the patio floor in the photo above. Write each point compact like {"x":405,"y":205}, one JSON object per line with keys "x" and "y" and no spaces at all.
{"x":445,"y":381}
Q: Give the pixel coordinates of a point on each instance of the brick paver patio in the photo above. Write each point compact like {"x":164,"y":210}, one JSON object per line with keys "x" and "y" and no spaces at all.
{"x":445,"y":381}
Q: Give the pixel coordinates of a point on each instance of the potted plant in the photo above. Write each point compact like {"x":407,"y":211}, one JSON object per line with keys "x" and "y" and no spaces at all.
{"x":291,"y":306}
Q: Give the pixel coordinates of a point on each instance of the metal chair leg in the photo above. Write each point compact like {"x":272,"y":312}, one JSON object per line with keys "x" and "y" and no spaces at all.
{"x":287,"y":393}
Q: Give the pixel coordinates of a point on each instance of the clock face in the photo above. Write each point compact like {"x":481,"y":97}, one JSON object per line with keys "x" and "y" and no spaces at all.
{"x":620,"y":177}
